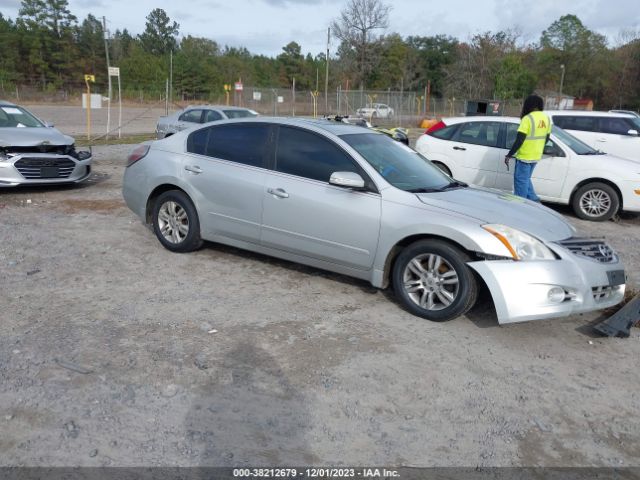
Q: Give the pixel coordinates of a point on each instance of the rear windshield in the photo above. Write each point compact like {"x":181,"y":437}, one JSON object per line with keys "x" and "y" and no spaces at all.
{"x":11,"y":117}
{"x":240,"y":113}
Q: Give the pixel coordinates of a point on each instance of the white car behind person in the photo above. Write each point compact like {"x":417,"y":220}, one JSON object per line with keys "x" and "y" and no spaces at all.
{"x":595,"y":184}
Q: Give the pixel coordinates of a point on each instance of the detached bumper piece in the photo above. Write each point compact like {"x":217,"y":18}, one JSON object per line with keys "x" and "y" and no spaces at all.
{"x":620,"y":323}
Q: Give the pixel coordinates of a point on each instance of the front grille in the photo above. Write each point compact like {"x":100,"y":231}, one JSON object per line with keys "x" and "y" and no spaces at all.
{"x":602,"y":293}
{"x":55,"y":149}
{"x":591,"y":248}
{"x":34,"y":168}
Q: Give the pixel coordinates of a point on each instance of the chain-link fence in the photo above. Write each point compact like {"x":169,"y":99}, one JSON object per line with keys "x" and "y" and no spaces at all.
{"x":382,"y":107}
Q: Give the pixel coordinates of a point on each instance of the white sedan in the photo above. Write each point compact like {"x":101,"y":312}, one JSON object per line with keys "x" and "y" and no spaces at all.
{"x":595,"y":184}
{"x":375,"y":110}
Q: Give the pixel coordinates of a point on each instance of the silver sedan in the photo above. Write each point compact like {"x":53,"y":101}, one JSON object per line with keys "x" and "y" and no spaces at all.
{"x":198,"y":114}
{"x":353,"y":201}
{"x":34,"y":153}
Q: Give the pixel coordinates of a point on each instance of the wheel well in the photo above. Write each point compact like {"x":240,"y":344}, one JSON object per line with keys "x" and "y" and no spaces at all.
{"x":598,"y":180}
{"x":405,"y":242}
{"x":159,"y":190}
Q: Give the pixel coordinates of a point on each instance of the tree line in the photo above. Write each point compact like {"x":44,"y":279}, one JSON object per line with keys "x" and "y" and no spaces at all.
{"x":48,"y":48}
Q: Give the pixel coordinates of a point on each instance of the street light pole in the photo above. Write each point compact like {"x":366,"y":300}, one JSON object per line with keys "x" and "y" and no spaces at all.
{"x":561,"y":78}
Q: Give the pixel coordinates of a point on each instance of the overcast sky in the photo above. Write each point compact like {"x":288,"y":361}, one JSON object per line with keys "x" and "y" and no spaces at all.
{"x":265,"y":26}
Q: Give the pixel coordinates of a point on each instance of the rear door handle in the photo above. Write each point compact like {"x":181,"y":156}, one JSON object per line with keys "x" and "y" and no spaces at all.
{"x":278,"y":192}
{"x":459,"y":148}
{"x":193,"y":169}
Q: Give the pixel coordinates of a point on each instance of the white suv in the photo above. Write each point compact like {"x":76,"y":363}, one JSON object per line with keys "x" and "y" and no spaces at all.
{"x":611,"y":132}
{"x":595,"y":184}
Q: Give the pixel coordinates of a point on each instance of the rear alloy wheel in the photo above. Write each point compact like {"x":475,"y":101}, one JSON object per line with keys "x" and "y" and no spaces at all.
{"x":175,"y":222}
{"x":596,"y":202}
{"x":432,"y":280}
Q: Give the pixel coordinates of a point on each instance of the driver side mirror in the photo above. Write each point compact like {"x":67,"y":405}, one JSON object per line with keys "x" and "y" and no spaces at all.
{"x":347,"y":180}
{"x":633,"y":133}
{"x":49,"y":124}
{"x":553,"y":151}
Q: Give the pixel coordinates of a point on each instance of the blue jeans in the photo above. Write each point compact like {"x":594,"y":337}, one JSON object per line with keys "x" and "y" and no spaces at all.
{"x":522,"y":185}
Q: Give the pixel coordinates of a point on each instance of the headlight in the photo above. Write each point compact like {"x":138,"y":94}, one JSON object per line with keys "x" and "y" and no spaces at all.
{"x":521,"y":245}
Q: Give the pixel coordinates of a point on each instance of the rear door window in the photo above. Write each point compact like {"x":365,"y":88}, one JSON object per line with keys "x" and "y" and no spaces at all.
{"x":479,"y":133}
{"x":247,"y":144}
{"x":211,"y":116}
{"x":569,"y":122}
{"x":445,"y":133}
{"x":309,"y":155}
{"x":192,"y":116}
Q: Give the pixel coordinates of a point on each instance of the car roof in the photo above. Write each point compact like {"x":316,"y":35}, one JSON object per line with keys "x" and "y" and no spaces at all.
{"x":219,"y":107}
{"x":479,"y":118}
{"x":588,"y":113}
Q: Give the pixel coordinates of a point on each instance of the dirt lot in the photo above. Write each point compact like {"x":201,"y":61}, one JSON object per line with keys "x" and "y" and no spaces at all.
{"x":116,"y":352}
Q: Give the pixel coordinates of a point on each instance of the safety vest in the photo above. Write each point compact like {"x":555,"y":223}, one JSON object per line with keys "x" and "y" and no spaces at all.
{"x":536,"y":126}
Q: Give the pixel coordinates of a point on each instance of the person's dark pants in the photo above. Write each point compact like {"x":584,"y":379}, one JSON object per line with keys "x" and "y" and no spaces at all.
{"x":522,"y":185}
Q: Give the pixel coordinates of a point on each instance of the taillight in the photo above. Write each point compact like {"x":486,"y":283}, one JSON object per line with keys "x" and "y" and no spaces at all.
{"x":434,"y":128}
{"x":138,"y":153}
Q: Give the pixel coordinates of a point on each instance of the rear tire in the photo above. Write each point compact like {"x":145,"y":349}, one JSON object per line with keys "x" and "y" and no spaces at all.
{"x":175,"y":222}
{"x":432,"y":280}
{"x":595,"y":201}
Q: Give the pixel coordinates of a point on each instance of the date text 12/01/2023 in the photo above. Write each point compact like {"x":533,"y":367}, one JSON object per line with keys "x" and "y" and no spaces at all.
{"x":315,"y":473}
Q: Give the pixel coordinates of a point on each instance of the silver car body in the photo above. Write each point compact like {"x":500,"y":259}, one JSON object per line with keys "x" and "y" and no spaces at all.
{"x":359,"y":233}
{"x":39,"y":154}
{"x":183,"y":119}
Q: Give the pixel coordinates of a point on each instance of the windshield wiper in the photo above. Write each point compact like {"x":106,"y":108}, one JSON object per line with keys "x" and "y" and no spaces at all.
{"x":449,"y":186}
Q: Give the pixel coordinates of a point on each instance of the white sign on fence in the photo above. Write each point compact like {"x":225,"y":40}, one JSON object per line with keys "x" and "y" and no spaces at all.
{"x":238,"y":86}
{"x":257,"y":96}
{"x":114,"y":71}
{"x":280,"y":99}
{"x":96,"y":101}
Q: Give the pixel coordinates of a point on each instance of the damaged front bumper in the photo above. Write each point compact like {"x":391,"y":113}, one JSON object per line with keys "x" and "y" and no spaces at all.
{"x":44,"y":168}
{"x":536,"y":290}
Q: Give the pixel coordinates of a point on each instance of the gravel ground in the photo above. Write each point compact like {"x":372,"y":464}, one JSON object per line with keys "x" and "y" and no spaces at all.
{"x":117,"y":352}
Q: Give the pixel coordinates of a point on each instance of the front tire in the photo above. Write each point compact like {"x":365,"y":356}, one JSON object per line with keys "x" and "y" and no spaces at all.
{"x":595,"y":201}
{"x":432,"y":280}
{"x":176,"y":223}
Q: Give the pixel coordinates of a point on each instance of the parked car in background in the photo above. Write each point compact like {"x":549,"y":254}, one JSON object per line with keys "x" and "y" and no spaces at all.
{"x":353,"y":201}
{"x":614,"y":133}
{"x":375,"y":110}
{"x":33,"y":152}
{"x":595,"y":184}
{"x":197,"y":114}
{"x":399,"y":134}
{"x":628,"y":112}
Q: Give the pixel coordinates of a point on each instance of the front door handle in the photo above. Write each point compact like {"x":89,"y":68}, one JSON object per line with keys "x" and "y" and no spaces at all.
{"x":459,"y":148}
{"x":602,"y":139}
{"x":193,"y":169}
{"x":278,"y":192}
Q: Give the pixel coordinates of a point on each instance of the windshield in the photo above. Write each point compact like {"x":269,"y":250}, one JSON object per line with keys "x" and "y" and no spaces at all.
{"x":240,"y":113}
{"x":572,"y":142}
{"x":11,"y":117}
{"x":401,"y":166}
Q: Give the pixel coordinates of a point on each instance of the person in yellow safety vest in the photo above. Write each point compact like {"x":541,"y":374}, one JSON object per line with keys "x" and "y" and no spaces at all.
{"x":533,"y":135}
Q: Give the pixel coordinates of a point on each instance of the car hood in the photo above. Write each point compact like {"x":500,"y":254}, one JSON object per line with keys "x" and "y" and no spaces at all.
{"x":32,"y":137}
{"x":492,"y":206}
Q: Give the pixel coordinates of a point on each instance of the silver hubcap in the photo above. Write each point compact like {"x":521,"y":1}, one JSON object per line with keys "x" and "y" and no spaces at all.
{"x":595,"y":203}
{"x":173,"y":222}
{"x":431,"y":282}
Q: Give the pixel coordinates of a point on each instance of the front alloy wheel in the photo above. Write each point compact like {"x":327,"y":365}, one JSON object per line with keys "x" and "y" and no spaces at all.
{"x":432,"y":280}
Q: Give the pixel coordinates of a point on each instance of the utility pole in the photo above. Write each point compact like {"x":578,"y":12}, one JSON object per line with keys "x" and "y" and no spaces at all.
{"x":170,"y":77}
{"x":326,"y":76}
{"x":106,"y":51}
{"x":561,"y":80}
